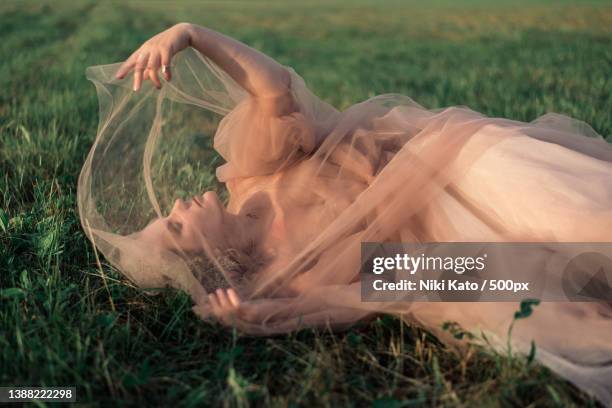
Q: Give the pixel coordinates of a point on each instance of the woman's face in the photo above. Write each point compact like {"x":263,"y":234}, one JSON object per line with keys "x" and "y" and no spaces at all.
{"x":189,"y":224}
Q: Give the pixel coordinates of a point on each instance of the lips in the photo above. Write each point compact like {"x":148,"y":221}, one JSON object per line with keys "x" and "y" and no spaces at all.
{"x":199,"y":201}
{"x":210,"y":196}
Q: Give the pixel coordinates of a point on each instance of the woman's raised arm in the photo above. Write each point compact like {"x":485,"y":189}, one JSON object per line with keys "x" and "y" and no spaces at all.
{"x":257,"y":73}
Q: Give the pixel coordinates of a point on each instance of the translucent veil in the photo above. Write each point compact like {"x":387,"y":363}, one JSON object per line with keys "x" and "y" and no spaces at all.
{"x":384,"y":170}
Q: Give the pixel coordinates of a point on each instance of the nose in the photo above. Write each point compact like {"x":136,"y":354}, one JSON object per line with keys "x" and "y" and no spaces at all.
{"x":180,"y":205}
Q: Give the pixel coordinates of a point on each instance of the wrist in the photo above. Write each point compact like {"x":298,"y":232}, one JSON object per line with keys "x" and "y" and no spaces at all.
{"x":186,"y":29}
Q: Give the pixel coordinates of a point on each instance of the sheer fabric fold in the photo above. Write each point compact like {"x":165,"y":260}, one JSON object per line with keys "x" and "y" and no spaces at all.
{"x":384,"y":170}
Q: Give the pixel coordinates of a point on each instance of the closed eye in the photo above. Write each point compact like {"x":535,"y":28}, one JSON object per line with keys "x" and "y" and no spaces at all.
{"x":174,"y":227}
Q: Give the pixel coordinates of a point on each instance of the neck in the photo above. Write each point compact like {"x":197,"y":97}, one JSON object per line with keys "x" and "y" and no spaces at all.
{"x":242,"y":231}
{"x":250,"y":225}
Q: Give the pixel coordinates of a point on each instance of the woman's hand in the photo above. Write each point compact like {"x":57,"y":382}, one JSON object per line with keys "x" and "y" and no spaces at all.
{"x":154,"y":54}
{"x":225,"y":305}
{"x":279,"y":315}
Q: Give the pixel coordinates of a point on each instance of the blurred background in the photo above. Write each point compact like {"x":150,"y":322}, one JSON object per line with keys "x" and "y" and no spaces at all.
{"x":67,"y":318}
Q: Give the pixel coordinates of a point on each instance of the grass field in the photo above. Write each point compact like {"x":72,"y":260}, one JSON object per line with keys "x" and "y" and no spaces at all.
{"x":61,"y":323}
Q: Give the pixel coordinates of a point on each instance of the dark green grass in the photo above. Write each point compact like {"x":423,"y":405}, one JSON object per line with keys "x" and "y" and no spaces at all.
{"x":65,"y":321}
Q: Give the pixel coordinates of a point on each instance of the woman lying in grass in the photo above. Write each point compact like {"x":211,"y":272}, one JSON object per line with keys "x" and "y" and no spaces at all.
{"x":308,"y":184}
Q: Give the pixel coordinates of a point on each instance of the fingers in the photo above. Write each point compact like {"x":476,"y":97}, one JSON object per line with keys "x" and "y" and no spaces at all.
{"x":224,"y":304}
{"x":146,"y":65}
{"x":141,"y":63}
{"x":126,"y":66}
{"x":233,"y":297}
{"x":223,"y":299}
{"x":165,"y":64}
{"x":152,"y":68}
{"x":214,"y":304}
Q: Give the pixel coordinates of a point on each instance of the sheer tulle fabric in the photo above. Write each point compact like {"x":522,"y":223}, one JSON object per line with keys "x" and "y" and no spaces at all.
{"x":383,"y":170}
